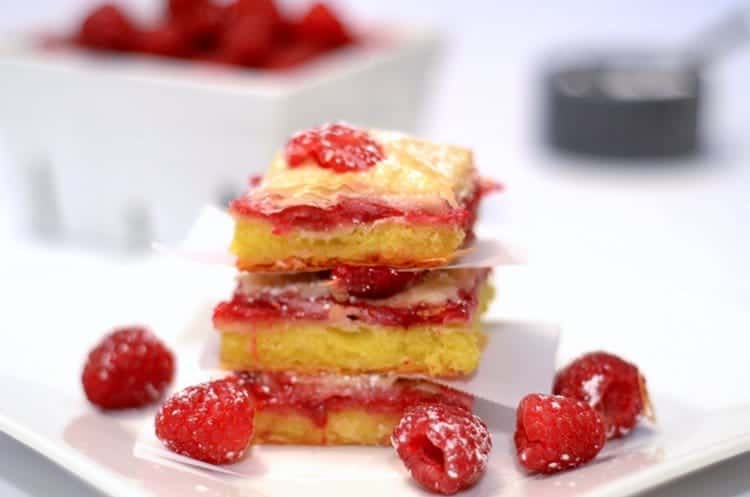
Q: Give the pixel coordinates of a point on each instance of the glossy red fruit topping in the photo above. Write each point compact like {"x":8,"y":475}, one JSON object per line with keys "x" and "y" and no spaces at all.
{"x":555,"y":433}
{"x":107,"y":28}
{"x":130,"y":367}
{"x":211,"y":422}
{"x":445,"y":448}
{"x":336,"y":146}
{"x":317,"y":396}
{"x":373,"y":282}
{"x":321,"y":26}
{"x":612,"y":386}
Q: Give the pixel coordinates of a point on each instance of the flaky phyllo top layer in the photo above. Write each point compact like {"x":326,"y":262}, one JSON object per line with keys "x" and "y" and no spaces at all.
{"x":413,"y":175}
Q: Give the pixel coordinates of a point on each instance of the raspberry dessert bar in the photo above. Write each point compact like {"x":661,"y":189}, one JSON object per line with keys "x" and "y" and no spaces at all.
{"x":340,"y":195}
{"x":336,"y":409}
{"x":350,"y":321}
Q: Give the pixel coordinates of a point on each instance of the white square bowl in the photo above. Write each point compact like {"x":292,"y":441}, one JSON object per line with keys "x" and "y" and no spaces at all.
{"x":126,"y":149}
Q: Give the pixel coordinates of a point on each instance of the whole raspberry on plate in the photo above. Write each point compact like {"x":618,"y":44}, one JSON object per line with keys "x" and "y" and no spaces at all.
{"x":444,"y":447}
{"x":130,"y":367}
{"x":212,"y":422}
{"x":612,"y":386}
{"x":555,"y":433}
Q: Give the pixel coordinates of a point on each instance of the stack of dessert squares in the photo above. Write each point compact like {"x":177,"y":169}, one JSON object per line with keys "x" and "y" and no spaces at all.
{"x":343,"y":309}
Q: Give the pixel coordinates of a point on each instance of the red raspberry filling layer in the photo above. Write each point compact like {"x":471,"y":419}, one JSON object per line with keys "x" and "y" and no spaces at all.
{"x":290,"y":306}
{"x":373,"y":282}
{"x":352,"y":211}
{"x":316,"y":397}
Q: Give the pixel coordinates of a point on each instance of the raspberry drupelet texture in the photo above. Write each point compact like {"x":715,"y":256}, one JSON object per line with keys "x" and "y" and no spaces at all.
{"x":321,"y":26}
{"x":613,"y":387}
{"x":107,"y":28}
{"x":444,"y":447}
{"x":211,"y":422}
{"x":130,"y":367}
{"x":555,"y":433}
{"x":335,"y":146}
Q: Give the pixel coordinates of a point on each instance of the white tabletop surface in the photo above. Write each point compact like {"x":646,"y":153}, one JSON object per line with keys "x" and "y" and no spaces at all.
{"x":646,"y":260}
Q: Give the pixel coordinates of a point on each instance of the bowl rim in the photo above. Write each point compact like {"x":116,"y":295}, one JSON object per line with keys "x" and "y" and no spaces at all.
{"x":389,"y":43}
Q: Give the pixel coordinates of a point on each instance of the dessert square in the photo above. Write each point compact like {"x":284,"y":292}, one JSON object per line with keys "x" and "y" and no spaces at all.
{"x":339,"y":195}
{"x":311,"y":323}
{"x":336,"y":409}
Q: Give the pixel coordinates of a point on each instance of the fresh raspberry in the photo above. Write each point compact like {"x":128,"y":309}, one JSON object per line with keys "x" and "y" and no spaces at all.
{"x":373,"y":282}
{"x":107,"y":28}
{"x":168,"y":40}
{"x":247,"y":41}
{"x":177,"y":8}
{"x":444,"y":447}
{"x":321,"y":26}
{"x":130,"y":367}
{"x":264,"y":9}
{"x":612,"y":386}
{"x":200,"y":21}
{"x":211,"y":422}
{"x":291,"y":55}
{"x":335,"y":146}
{"x":555,"y":433}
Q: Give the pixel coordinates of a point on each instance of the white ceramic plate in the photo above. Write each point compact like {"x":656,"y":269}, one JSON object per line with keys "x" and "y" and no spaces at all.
{"x":53,"y":418}
{"x":42,"y":404}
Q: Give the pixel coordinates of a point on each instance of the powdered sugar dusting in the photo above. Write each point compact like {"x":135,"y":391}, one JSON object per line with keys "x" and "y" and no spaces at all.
{"x":212,"y":422}
{"x":592,"y":389}
{"x":461,"y":437}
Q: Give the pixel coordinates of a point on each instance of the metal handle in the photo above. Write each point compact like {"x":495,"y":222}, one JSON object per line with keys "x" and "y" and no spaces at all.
{"x":721,"y":38}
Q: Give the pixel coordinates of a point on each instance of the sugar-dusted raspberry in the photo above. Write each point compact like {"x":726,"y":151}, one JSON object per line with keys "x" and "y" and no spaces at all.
{"x":211,"y":422}
{"x":130,"y":367}
{"x":444,"y":447}
{"x":335,"y":146}
{"x":612,"y":386}
{"x":555,"y":433}
{"x":373,"y":282}
{"x":321,"y":26}
{"x":107,"y":28}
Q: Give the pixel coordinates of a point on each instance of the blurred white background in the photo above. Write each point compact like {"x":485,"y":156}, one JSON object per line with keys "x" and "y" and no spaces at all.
{"x":647,"y":259}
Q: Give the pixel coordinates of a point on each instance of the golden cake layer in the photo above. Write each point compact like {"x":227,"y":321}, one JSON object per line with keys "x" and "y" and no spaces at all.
{"x":313,"y":347}
{"x":346,"y":427}
{"x":385,"y":243}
